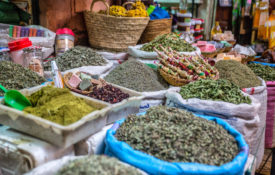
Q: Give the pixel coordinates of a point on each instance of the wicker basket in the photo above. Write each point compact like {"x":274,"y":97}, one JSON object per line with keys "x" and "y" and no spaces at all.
{"x":210,"y":54}
{"x":227,"y":49}
{"x":67,"y":77}
{"x":155,"y":28}
{"x":113,"y":33}
{"x":172,"y":80}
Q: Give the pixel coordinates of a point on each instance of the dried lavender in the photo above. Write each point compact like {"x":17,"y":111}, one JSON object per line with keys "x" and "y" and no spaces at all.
{"x":15,"y":76}
{"x":94,"y":165}
{"x":237,"y":73}
{"x":135,"y":75}
{"x":77,"y":57}
{"x":176,"y":135}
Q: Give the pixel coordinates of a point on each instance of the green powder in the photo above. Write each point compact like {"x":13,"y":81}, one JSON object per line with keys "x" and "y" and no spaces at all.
{"x":237,"y":73}
{"x":58,"y":105}
{"x":265,"y":72}
{"x":135,"y":75}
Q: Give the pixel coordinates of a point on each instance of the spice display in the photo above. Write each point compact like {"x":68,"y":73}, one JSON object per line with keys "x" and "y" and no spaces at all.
{"x":135,"y":75}
{"x":15,"y":76}
{"x":92,"y":165}
{"x":168,"y":40}
{"x":58,"y":105}
{"x":265,"y":72}
{"x":109,"y":94}
{"x":217,"y":90}
{"x":33,"y":59}
{"x":176,"y":135}
{"x":237,"y":73}
{"x":77,"y":57}
{"x":138,"y":9}
{"x":181,"y":67}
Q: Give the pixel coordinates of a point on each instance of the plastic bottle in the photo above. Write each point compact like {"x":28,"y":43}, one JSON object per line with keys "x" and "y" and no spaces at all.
{"x":216,"y":29}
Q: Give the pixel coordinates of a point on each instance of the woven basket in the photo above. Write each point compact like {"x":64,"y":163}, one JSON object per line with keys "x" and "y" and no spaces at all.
{"x":67,"y":77}
{"x":209,"y":54}
{"x":172,"y":80}
{"x":155,"y":28}
{"x":227,"y":49}
{"x":113,"y":33}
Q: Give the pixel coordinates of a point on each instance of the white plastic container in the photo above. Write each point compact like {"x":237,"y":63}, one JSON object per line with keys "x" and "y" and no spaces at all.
{"x":16,"y":50}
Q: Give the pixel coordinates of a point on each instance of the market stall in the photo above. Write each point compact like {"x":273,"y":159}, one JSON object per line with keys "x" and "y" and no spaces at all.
{"x":141,"y":96}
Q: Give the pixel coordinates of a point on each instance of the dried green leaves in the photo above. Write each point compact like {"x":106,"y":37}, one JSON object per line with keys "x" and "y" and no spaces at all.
{"x":95,"y":165}
{"x":15,"y":76}
{"x":265,"y":72}
{"x":237,"y":73}
{"x":135,"y":75}
{"x":176,"y":135}
{"x":168,"y":40}
{"x":77,"y":57}
{"x":217,"y":90}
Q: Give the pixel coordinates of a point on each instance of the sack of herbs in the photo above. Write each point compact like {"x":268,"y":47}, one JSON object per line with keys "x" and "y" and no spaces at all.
{"x":223,"y":99}
{"x":173,"y":141}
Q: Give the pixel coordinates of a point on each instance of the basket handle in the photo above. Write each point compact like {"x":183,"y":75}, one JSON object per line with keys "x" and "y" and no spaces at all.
{"x":104,"y":2}
{"x":127,"y":3}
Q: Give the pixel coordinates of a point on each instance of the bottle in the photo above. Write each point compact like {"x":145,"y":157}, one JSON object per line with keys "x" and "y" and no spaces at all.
{"x":216,"y":29}
{"x":183,"y":6}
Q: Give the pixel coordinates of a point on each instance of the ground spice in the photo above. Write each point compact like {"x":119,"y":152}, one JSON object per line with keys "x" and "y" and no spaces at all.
{"x":58,"y":105}
{"x":168,"y":40}
{"x":265,"y":72}
{"x":92,"y":165}
{"x":237,"y":73}
{"x":15,"y":76}
{"x":217,"y":90}
{"x":135,"y":75}
{"x":176,"y":135}
{"x":77,"y":57}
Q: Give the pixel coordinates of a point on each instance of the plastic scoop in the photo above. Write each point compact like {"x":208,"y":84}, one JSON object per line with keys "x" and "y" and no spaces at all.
{"x":15,"y":99}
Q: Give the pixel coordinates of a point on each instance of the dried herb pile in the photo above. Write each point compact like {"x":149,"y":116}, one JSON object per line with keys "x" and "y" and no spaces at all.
{"x":176,"y":135}
{"x":15,"y":76}
{"x":77,"y":57}
{"x":135,"y":75}
{"x":237,"y":73}
{"x":108,"y":93}
{"x":97,"y":165}
{"x":168,"y":40}
{"x":58,"y":105}
{"x":217,"y":90}
{"x":265,"y":72}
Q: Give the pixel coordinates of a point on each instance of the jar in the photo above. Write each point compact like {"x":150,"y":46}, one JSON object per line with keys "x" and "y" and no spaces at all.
{"x":4,"y":54}
{"x":64,"y":41}
{"x":184,"y":17}
{"x":192,"y":28}
{"x":16,"y":50}
{"x":184,"y":27}
{"x":198,"y":26}
{"x":33,"y":59}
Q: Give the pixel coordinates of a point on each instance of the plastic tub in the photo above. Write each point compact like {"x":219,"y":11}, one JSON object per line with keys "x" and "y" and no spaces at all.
{"x":64,"y":40}
{"x":185,"y":26}
{"x":16,"y":50}
{"x":33,"y":59}
{"x":184,"y":17}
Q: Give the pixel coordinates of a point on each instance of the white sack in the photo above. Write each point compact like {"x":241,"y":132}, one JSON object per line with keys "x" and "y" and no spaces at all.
{"x":243,"y":117}
{"x":259,"y":93}
{"x":93,"y":144}
{"x":137,"y":53}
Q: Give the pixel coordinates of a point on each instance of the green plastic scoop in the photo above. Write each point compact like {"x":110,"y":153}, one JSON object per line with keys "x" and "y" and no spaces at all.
{"x":15,"y":99}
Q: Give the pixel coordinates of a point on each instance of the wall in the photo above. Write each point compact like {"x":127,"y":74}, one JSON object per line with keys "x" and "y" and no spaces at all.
{"x":56,"y":14}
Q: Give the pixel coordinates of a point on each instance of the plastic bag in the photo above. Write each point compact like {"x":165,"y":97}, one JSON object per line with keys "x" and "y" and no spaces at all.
{"x":152,"y":165}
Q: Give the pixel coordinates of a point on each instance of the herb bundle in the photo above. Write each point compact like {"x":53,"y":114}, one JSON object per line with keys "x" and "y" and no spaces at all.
{"x":217,"y":90}
{"x":176,"y":135}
